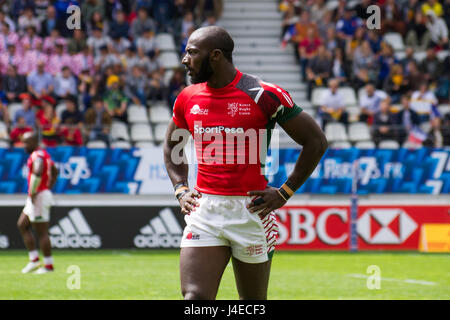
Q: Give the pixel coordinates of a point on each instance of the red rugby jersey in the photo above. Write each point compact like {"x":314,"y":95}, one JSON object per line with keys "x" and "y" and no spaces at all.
{"x":230,"y":130}
{"x":47,"y":166}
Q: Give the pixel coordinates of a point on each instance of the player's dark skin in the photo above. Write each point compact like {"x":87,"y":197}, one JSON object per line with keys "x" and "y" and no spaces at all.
{"x":201,"y":268}
{"x":31,"y":142}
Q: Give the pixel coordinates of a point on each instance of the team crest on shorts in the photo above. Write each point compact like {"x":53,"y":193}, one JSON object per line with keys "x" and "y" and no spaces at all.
{"x":192,"y":236}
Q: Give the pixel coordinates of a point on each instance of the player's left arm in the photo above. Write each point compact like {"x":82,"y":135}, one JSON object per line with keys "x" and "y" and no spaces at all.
{"x":304,"y":130}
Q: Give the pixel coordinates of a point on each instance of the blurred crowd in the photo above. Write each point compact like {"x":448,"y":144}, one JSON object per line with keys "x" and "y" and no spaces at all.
{"x":403,"y":93}
{"x":95,"y":72}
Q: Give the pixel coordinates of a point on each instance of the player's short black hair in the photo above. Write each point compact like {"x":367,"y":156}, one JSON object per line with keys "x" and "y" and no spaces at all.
{"x":219,"y":38}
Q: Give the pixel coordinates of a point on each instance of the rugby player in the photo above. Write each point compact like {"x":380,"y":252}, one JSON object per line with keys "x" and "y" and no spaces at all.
{"x":229,"y":213}
{"x":42,"y":175}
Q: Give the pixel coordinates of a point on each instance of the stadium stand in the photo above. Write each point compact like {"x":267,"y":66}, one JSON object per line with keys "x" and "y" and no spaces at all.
{"x":129,"y":57}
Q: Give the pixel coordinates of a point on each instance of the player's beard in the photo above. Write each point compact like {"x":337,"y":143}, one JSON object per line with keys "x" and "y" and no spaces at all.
{"x":204,"y":73}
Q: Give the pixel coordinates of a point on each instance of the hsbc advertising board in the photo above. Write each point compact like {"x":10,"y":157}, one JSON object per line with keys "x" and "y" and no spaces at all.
{"x":311,"y":227}
{"x":378,"y":227}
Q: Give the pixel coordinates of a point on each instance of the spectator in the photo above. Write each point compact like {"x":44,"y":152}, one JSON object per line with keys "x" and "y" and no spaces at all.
{"x":443,"y":83}
{"x":136,"y":88}
{"x":28,"y":19}
{"x":409,"y":56}
{"x":89,"y":7}
{"x":65,"y":84}
{"x":433,"y":6}
{"x":361,"y":9}
{"x":115,"y":100}
{"x":98,"y":121}
{"x":318,"y":70}
{"x":20,"y":128}
{"x":395,"y":84}
{"x":162,"y":10}
{"x":347,"y":25}
{"x":369,"y":102}
{"x":4,"y":113}
{"x":6,"y":19}
{"x":301,"y":29}
{"x":78,"y":42}
{"x":119,"y":25}
{"x":365,"y":65}
{"x":13,"y":84}
{"x":71,"y":114}
{"x":30,"y":40}
{"x":7,"y":37}
{"x":26,"y":111}
{"x":97,"y":40}
{"x":333,"y":107}
{"x":40,"y":82}
{"x":82,"y":61}
{"x":438,"y":30}
{"x":209,"y":21}
{"x":417,"y":36}
{"x":340,"y":68}
{"x":413,"y":76}
{"x":71,"y":135}
{"x":105,"y":59}
{"x":118,"y":45}
{"x":157,"y":90}
{"x":176,"y":84}
{"x":141,"y":23}
{"x":392,"y":14}
{"x":186,"y":24}
{"x":10,"y":57}
{"x":129,"y":58}
{"x":318,"y":11}
{"x":383,"y":124}
{"x":424,"y":102}
{"x":374,"y":40}
{"x":405,"y":120}
{"x":58,"y":60}
{"x":147,"y":43}
{"x":87,"y":88}
{"x":52,"y":40}
{"x":431,"y":66}
{"x":435,"y":137}
{"x":385,"y":61}
{"x":48,"y":124}
{"x":308,"y":49}
{"x":50,"y":23}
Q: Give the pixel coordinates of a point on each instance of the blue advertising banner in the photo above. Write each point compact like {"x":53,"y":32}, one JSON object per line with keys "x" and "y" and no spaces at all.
{"x":142,"y":171}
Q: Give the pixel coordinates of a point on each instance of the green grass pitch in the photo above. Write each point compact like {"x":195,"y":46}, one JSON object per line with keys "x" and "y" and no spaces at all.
{"x":134,"y":274}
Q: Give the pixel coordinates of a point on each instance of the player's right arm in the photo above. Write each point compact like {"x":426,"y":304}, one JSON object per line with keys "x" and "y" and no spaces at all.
{"x":178,"y":168}
{"x":35,"y":178}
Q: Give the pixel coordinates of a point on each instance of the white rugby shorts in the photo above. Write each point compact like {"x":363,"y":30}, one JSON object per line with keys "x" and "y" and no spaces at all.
{"x":226,"y":221}
{"x":40,"y":210}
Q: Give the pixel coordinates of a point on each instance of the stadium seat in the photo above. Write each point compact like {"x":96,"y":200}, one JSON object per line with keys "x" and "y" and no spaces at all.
{"x":96,"y":144}
{"x":169,"y":60}
{"x":388,"y":144}
{"x":144,"y":144}
{"x":120,"y":145}
{"x":167,"y":77}
{"x":395,"y":40}
{"x":3,"y":131}
{"x":349,"y":96}
{"x":419,"y":56}
{"x":159,"y":113}
{"x":316,"y":96}
{"x":137,"y":114}
{"x":425,"y":127}
{"x":141,"y":132}
{"x":353,"y":113}
{"x":443,"y":54}
{"x":335,"y":131}
{"x":359,"y":131}
{"x":119,"y":131}
{"x":310,"y":111}
{"x":165,"y":42}
{"x":4,"y":144}
{"x":444,"y":109}
{"x":365,"y":144}
{"x":341,"y":145}
{"x":12,"y":109}
{"x":160,"y":131}
{"x":411,"y":145}
{"x":59,"y":109}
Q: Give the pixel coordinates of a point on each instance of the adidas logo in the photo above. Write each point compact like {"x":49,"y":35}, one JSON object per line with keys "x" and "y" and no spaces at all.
{"x":74,"y":232}
{"x":4,"y":242}
{"x":162,"y":231}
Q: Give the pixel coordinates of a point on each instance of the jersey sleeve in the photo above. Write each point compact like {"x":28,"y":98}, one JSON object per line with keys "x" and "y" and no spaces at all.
{"x":179,"y":112}
{"x":279,"y":103}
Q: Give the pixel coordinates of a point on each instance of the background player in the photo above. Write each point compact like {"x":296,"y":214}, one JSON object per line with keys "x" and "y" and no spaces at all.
{"x":42,"y":177}
{"x":222,"y":220}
